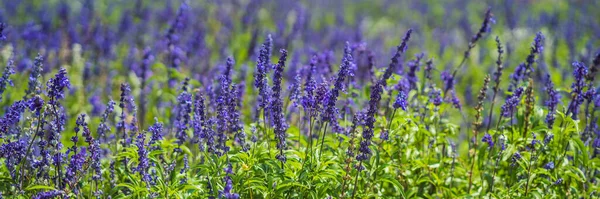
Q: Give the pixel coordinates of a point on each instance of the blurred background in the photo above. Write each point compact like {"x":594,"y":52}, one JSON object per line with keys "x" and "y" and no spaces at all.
{"x":104,"y":40}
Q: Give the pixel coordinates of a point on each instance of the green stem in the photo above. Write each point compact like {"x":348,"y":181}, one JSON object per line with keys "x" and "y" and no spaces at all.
{"x":306,"y":155}
{"x":356,"y":179}
{"x":29,"y":150}
{"x":529,"y":170}
{"x":323,"y":138}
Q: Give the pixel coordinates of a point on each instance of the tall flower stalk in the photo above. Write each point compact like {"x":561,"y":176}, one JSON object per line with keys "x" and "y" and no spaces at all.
{"x":486,"y":25}
{"x":364,"y":152}
{"x":497,"y":77}
{"x":529,"y":102}
{"x":552,"y":102}
{"x":5,"y":79}
{"x":263,"y":64}
{"x":280,"y":125}
{"x":146,"y":61}
{"x":330,"y":114}
{"x":476,"y":125}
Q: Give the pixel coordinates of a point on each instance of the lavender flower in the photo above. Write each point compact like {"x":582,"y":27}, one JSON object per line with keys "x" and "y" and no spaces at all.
{"x":428,"y":69}
{"x":97,"y":105}
{"x":552,"y":102}
{"x":309,"y":101}
{"x":548,"y":138}
{"x":186,"y":164}
{"x":534,"y":141}
{"x":103,"y":128}
{"x":448,"y":80}
{"x":184,"y":108}
{"x":577,"y":99}
{"x":590,"y":94}
{"x":172,"y":39}
{"x":436,"y":96}
{"x":499,"y":66}
{"x":517,"y":76}
{"x":384,"y":135}
{"x":549,"y":166}
{"x":35,"y":104}
{"x":454,"y":100}
{"x":401,"y":101}
{"x":95,"y":149}
{"x":558,"y":182}
{"x":515,"y":158}
{"x":487,"y":138}
{"x":330,"y":113}
{"x":49,"y":194}
{"x":184,"y":170}
{"x":295,"y":90}
{"x":157,"y":132}
{"x":80,"y":123}
{"x":396,"y":58}
{"x":210,"y":137}
{"x":364,"y":150}
{"x":34,"y":85}
{"x":228,"y":169}
{"x":322,"y":95}
{"x":199,"y":118}
{"x":413,"y":67}
{"x":485,"y":27}
{"x":512,"y":101}
{"x":55,"y":91}
{"x":262,"y":66}
{"x":75,"y":166}
{"x":112,"y":176}
{"x":12,"y":117}
{"x":280,"y":126}
{"x":536,"y":48}
{"x":224,"y":113}
{"x":125,"y":90}
{"x":2,"y":35}
{"x":227,"y":190}
{"x":13,"y":153}
{"x":57,"y":85}
{"x":5,"y":79}
{"x":143,"y":161}
{"x":375,"y":97}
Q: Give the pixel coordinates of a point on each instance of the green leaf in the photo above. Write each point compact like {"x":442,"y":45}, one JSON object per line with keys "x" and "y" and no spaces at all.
{"x":37,"y":187}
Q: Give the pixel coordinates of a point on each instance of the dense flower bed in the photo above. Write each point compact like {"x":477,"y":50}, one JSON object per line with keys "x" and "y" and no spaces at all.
{"x":255,"y":99}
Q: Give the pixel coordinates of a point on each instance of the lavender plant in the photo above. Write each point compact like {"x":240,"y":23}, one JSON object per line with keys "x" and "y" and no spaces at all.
{"x":190,"y":121}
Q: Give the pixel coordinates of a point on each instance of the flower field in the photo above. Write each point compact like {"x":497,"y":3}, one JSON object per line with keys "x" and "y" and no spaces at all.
{"x":299,"y":99}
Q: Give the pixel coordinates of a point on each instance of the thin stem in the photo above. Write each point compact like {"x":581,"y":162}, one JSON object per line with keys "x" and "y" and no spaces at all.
{"x":498,"y":124}
{"x":309,"y":149}
{"x":491,"y":111}
{"x":380,"y":147}
{"x":474,"y":158}
{"x":356,"y":179}
{"x":323,"y":138}
{"x":348,"y":164}
{"x":452,"y":172}
{"x":57,"y":166}
{"x":529,"y":170}
{"x":458,"y":68}
{"x":265,"y":129}
{"x":29,"y":149}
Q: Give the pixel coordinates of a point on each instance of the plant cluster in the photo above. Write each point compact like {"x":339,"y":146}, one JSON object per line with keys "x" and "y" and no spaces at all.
{"x":202,"y":102}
